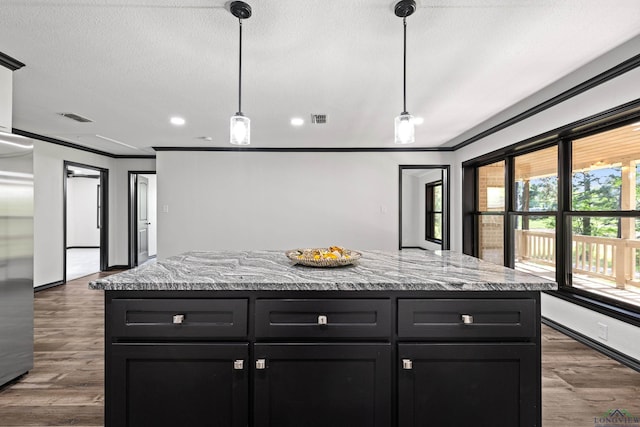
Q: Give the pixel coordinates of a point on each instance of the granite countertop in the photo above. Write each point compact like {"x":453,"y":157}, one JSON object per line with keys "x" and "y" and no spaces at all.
{"x":272,"y":270}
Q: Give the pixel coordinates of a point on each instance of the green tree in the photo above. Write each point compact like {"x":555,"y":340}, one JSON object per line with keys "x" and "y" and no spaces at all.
{"x":543,"y":194}
{"x":597,"y":191}
{"x":538,"y":194}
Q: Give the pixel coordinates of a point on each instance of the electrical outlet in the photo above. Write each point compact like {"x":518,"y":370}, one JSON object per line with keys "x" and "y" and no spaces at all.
{"x":165,"y":208}
{"x":603,"y":331}
{"x":383,"y":209}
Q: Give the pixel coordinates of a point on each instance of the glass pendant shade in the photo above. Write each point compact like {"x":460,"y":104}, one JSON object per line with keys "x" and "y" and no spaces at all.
{"x":240,"y":130}
{"x":405,"y":130}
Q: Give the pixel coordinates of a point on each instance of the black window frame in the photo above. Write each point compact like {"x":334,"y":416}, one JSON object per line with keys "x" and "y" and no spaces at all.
{"x":562,"y":138}
{"x":430,"y":212}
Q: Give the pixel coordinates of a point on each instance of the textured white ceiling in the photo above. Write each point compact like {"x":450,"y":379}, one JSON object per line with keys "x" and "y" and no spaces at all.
{"x":130,"y":65}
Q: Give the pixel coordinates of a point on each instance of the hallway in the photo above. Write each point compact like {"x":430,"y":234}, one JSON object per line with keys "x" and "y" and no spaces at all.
{"x":82,"y":262}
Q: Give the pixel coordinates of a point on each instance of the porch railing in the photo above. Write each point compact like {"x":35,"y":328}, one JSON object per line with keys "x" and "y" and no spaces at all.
{"x":607,"y":258}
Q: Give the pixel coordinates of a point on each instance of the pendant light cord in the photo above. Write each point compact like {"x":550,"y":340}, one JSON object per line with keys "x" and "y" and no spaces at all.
{"x":240,"y":71}
{"x":404,"y":75}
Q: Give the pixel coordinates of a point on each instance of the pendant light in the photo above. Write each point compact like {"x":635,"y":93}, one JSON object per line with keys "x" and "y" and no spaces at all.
{"x":405,"y":131}
{"x":240,"y":125}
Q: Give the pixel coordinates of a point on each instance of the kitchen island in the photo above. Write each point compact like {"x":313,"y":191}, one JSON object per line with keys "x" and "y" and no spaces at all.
{"x":246,"y":338}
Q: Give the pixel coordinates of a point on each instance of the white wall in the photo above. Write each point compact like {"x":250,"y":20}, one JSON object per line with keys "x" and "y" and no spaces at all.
{"x":410,"y":210}
{"x":621,"y":90}
{"x":82,"y":212}
{"x":48,"y":201}
{"x":6,"y":99}
{"x":622,"y":336}
{"x":152,"y":213}
{"x":262,"y":200}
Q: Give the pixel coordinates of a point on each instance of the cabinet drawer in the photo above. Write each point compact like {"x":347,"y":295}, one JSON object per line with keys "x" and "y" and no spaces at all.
{"x":323,"y":318}
{"x":179,"y":318}
{"x":485,"y":318}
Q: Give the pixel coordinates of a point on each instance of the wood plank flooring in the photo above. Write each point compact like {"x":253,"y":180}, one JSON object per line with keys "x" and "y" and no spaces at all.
{"x":65,"y":388}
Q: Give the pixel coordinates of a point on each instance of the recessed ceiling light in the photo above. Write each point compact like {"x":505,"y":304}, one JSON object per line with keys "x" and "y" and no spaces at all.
{"x":177,"y":121}
{"x":418,"y":120}
{"x":297,"y":121}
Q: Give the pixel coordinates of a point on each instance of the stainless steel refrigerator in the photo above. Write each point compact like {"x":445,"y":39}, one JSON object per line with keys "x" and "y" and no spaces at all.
{"x":16,"y":257}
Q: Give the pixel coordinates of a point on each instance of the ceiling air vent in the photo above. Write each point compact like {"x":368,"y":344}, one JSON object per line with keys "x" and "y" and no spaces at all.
{"x":76,"y":117}
{"x":319,"y":119}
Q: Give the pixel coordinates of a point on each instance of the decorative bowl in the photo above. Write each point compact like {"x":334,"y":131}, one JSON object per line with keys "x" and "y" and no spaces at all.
{"x":333,"y":256}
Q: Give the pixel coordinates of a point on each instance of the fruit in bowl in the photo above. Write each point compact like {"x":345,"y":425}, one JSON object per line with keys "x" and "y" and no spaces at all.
{"x":323,"y":257}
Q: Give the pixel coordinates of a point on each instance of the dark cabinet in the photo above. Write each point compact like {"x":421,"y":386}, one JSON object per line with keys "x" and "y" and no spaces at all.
{"x":319,"y":385}
{"x":323,"y":319}
{"x":468,"y":361}
{"x":318,"y":359}
{"x":468,"y":384}
{"x":463,"y":318}
{"x":179,"y":318}
{"x":195,"y":384}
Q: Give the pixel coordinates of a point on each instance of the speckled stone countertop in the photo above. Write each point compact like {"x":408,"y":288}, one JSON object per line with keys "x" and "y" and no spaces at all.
{"x":272,"y":270}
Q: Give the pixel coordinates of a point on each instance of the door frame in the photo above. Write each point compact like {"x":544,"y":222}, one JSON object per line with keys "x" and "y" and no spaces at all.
{"x":446,"y":205}
{"x":104,"y":215}
{"x":133,"y":214}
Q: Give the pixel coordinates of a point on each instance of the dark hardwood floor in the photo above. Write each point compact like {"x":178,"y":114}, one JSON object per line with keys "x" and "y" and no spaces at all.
{"x":65,"y":388}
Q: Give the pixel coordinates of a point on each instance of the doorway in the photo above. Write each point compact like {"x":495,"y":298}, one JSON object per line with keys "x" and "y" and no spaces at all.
{"x":142,"y":217}
{"x":424,"y":205}
{"x":85,"y":230}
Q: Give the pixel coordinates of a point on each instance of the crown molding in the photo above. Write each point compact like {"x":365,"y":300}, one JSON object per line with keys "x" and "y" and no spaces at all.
{"x":9,"y":62}
{"x":308,"y":149}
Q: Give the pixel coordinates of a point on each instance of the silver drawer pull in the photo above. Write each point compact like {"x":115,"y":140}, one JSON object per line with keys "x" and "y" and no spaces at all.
{"x":467,"y":319}
{"x":261,"y":364}
{"x":407,"y":364}
{"x":322,"y":320}
{"x":178,"y":319}
{"x":238,"y":365}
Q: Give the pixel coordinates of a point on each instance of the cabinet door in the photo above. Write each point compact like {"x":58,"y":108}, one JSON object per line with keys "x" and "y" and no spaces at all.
{"x":320,"y":385}
{"x":452,"y":385}
{"x":173,"y":385}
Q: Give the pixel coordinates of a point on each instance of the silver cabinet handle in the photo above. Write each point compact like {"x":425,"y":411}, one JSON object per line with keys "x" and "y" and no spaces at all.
{"x":238,"y":365}
{"x":407,"y":364}
{"x":322,"y":320}
{"x":261,"y":364}
{"x":467,"y":319}
{"x":178,"y":319}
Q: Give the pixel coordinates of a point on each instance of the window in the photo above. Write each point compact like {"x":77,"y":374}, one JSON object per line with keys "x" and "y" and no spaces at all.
{"x":490,"y":217}
{"x":536,"y":193}
{"x":433,"y":211}
{"x":605,"y":226}
{"x":568,"y":209}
